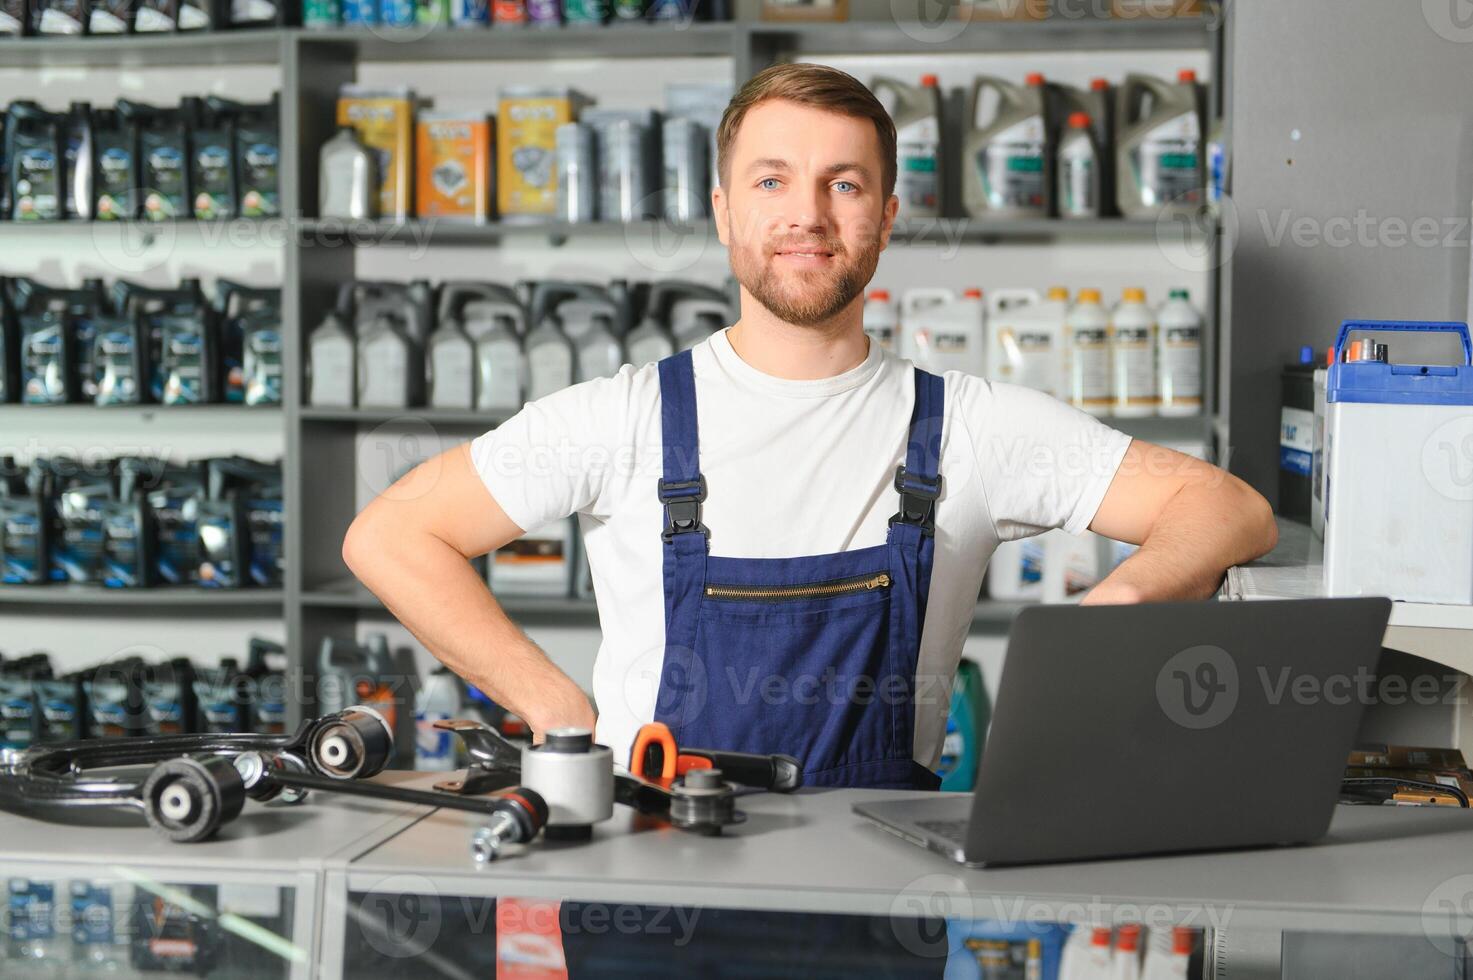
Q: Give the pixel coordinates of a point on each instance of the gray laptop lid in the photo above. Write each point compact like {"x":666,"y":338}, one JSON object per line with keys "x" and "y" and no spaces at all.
{"x":1125,"y":730}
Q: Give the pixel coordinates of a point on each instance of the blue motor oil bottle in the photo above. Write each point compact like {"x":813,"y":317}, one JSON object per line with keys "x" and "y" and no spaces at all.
{"x":249,"y":343}
{"x":169,"y":696}
{"x":163,"y":154}
{"x":266,"y":669}
{"x":176,"y":544}
{"x":129,"y":535}
{"x":61,"y":706}
{"x":222,"y":694}
{"x":19,"y":720}
{"x":212,"y":159}
{"x":223,"y":518}
{"x":35,"y":162}
{"x":26,"y":507}
{"x":114,"y":694}
{"x":258,"y":158}
{"x":82,"y":505}
{"x":119,"y":360}
{"x":115,"y":170}
{"x":190,"y":361}
{"x":966,"y":729}
{"x":151,"y":305}
{"x":9,"y":345}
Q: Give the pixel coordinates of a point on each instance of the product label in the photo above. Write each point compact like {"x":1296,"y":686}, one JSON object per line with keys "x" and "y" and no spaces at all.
{"x":385,"y":126}
{"x":1011,"y":167}
{"x":108,"y":18}
{"x":1133,"y":357}
{"x":267,"y":557}
{"x":92,"y":914}
{"x":259,"y":192}
{"x":500,"y":368}
{"x":1181,"y":366}
{"x":1089,"y":367}
{"x":163,"y":176}
{"x":526,"y":152}
{"x":385,"y":372}
{"x":1168,"y":163}
{"x":36,"y":181}
{"x":213,"y":193}
{"x":453,"y":159}
{"x":918,"y":183}
{"x":452,"y":372}
{"x":43,"y":374}
{"x":183,"y":369}
{"x":360,"y":11}
{"x":262,"y":368}
{"x":332,"y":372}
{"x":114,"y":179}
{"x":1028,"y":358}
{"x":470,"y":13}
{"x":1079,"y":182}
{"x":1296,"y":440}
{"x":549,"y":368}
{"x":31,"y":908}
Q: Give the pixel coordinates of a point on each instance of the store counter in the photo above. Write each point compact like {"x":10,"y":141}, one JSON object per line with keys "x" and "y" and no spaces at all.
{"x":364,"y":888}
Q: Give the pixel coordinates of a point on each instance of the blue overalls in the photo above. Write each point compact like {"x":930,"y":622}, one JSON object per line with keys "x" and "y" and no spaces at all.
{"x":814,"y":656}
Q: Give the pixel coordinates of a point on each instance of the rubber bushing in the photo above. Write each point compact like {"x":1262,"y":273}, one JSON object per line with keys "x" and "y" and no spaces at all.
{"x":354,"y":744}
{"x":187,"y":799}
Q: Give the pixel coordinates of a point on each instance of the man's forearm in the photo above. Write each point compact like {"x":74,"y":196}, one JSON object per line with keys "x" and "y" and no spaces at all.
{"x":432,"y":590}
{"x":1200,"y":534}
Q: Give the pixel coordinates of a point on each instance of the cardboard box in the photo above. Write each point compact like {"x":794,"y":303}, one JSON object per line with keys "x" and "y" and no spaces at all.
{"x":452,"y":152}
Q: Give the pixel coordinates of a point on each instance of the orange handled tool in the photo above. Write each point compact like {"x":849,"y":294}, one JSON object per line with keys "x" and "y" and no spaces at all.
{"x":656,"y":753}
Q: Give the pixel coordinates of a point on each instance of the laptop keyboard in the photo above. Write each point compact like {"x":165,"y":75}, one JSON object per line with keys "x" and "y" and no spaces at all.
{"x":954,"y":831}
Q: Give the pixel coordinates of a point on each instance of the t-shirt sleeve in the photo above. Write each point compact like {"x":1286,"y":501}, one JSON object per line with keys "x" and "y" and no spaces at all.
{"x":1044,"y":464}
{"x":553,"y":458}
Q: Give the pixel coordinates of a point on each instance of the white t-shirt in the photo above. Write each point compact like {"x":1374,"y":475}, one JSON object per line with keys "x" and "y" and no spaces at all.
{"x":792,"y":468}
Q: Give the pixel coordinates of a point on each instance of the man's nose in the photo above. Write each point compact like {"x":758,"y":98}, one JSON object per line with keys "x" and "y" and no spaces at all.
{"x":807,"y":207}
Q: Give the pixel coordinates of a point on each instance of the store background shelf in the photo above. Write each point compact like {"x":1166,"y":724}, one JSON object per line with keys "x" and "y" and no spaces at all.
{"x":133,"y":600}
{"x":324,"y":449}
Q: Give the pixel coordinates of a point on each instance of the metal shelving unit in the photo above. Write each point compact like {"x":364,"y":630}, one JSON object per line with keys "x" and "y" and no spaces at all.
{"x":161,"y":598}
{"x":321,"y":444}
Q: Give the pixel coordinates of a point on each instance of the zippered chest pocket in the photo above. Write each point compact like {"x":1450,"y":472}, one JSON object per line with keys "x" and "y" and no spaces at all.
{"x":797,"y":593}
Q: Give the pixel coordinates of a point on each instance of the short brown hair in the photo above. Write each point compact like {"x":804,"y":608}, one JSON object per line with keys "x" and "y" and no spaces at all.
{"x":818,"y":86}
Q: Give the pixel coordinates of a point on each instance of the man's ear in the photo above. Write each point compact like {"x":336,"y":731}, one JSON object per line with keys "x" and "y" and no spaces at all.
{"x":887,"y":222}
{"x":718,"y":211}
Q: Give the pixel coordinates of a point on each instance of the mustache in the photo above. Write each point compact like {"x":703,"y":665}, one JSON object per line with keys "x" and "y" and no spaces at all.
{"x":834,"y":246}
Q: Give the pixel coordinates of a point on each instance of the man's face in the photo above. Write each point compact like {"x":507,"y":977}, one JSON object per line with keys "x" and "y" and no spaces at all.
{"x":803,"y":214}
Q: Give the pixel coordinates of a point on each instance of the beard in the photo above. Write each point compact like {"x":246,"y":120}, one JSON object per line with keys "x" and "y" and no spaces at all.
{"x":805,"y":299}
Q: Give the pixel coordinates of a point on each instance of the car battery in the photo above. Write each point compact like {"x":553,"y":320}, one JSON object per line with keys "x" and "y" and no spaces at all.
{"x":1399,"y":455}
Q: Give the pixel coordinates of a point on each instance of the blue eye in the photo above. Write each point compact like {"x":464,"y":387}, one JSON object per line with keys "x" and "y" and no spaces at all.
{"x":845,"y":183}
{"x":768,"y":180}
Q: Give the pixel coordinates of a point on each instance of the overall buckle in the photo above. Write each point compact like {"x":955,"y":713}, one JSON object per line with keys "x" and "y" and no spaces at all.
{"x":918,"y":496}
{"x":682,"y":500}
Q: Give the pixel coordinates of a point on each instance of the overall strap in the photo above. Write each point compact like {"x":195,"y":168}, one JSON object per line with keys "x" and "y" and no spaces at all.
{"x":918,"y":480}
{"x":683,"y":488}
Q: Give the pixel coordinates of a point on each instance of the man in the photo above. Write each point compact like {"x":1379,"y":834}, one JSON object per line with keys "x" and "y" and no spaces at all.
{"x":787,"y":527}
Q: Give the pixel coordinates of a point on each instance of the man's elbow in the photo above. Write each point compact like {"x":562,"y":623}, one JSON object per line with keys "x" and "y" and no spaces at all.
{"x":1261,"y":530}
{"x":361,"y":541}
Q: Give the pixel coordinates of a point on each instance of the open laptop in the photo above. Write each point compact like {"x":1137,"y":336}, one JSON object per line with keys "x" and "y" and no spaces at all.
{"x":1125,"y":730}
